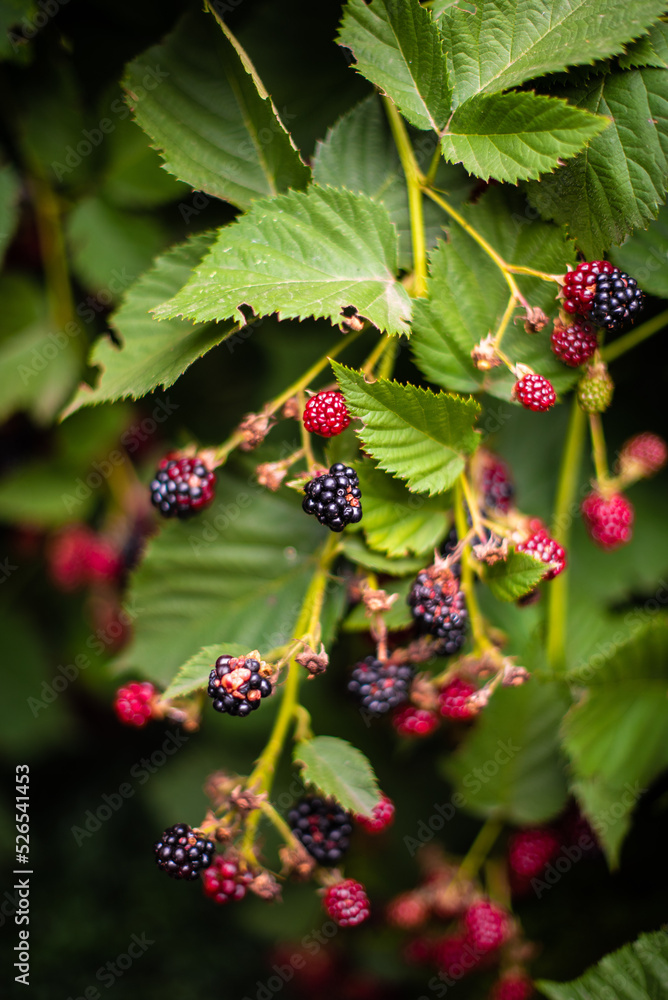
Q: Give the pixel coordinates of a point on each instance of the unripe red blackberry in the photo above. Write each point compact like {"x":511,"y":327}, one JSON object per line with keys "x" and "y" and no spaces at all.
{"x":407,"y":911}
{"x":595,"y":389}
{"x":529,"y":851}
{"x":513,"y":986}
{"x":326,"y":414}
{"x":412,"y":721}
{"x":335,"y":499}
{"x":380,"y":686}
{"x":579,"y":287}
{"x":574,"y":344}
{"x":347,"y":903}
{"x":453,"y":700}
{"x":381,"y":817}
{"x":133,"y":703}
{"x":609,"y":522}
{"x":455,"y":956}
{"x":642,"y":456}
{"x":487,"y":925}
{"x":237,"y":684}
{"x":103,"y":561}
{"x":226,"y":881}
{"x":534,"y":392}
{"x":542,"y":547}
{"x":323,"y":827}
{"x":439,"y":606}
{"x":182,"y":487}
{"x":67,"y":556}
{"x":183,"y":853}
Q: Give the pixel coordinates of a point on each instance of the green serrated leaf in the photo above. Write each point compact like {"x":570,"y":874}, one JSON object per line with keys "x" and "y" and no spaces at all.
{"x":467,"y":296}
{"x":496,"y":44}
{"x":638,"y":971}
{"x":299,"y":255}
{"x":358,"y":553}
{"x":240,"y":572}
{"x":518,"y":136}
{"x":645,"y":254}
{"x":617,"y":734}
{"x":515,"y":576}
{"x":194,"y":674}
{"x":360,"y":154}
{"x":510,"y":765}
{"x":418,"y":435}
{"x":619,"y":182}
{"x":152,"y":354}
{"x":339,"y":771}
{"x":396,"y":521}
{"x":398,"y":48}
{"x":234,"y":145}
{"x":651,"y":50}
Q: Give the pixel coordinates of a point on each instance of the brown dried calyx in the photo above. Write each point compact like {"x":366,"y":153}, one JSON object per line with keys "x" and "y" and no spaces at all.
{"x":255,"y":427}
{"x":315,"y":663}
{"x":265,"y":886}
{"x":484,"y":354}
{"x":296,"y":861}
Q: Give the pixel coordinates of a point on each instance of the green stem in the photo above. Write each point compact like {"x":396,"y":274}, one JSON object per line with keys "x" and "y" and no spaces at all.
{"x":505,"y":320}
{"x":278,"y":822}
{"x":635,"y":337}
{"x":308,"y":628}
{"x":383,"y":345}
{"x":52,"y":246}
{"x":479,"y":849}
{"x":386,"y":366}
{"x":543,"y":275}
{"x":480,"y":640}
{"x":599,"y":451}
{"x":571,"y":461}
{"x":414,"y":182}
{"x":433,"y":166}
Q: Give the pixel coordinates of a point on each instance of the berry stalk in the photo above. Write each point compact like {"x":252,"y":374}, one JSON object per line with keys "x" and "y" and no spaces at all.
{"x":462,"y":496}
{"x":599,"y":452}
{"x":414,"y":182}
{"x":480,"y":848}
{"x":307,"y":628}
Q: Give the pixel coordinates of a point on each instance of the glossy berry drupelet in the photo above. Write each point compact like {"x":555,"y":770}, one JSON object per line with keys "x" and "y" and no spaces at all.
{"x":513,"y":986}
{"x":326,"y":414}
{"x":347,"y":903}
{"x":574,"y":344}
{"x":439,"y":606}
{"x":133,"y":703}
{"x":609,"y":522}
{"x":335,"y":499}
{"x":529,"y":851}
{"x":580,"y":285}
{"x":542,"y":547}
{"x":453,"y":700}
{"x":534,"y":392}
{"x":380,"y":686}
{"x":183,"y":853}
{"x":237,"y":684}
{"x":382,"y":816}
{"x":412,"y":721}
{"x":496,"y":484}
{"x":487,"y":925}
{"x":182,"y":486}
{"x":643,"y":455}
{"x":225,"y":881}
{"x":323,"y":827}
{"x":617,"y":300}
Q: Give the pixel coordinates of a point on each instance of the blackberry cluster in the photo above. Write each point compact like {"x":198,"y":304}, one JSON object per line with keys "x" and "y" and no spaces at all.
{"x":182,"y":486}
{"x":580,"y":285}
{"x":323,"y":827}
{"x":226,"y":881}
{"x":236,"y":685}
{"x":347,"y":903}
{"x":133,"y":703}
{"x":326,"y":414}
{"x":381,"y":817}
{"x":380,"y":686}
{"x":183,"y":852}
{"x":574,"y":344}
{"x":439,"y":606}
{"x":617,"y":300}
{"x":335,"y":499}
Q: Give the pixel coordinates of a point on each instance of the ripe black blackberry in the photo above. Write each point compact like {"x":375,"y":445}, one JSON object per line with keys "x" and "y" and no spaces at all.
{"x":617,"y":300}
{"x":182,"y":486}
{"x":236,"y":685}
{"x":183,"y":852}
{"x":439,"y":606}
{"x":380,"y":686}
{"x":496,"y":484}
{"x":335,"y":499}
{"x":323,"y":827}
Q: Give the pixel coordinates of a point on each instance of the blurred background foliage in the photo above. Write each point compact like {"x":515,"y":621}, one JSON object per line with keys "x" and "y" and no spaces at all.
{"x":93,"y":891}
